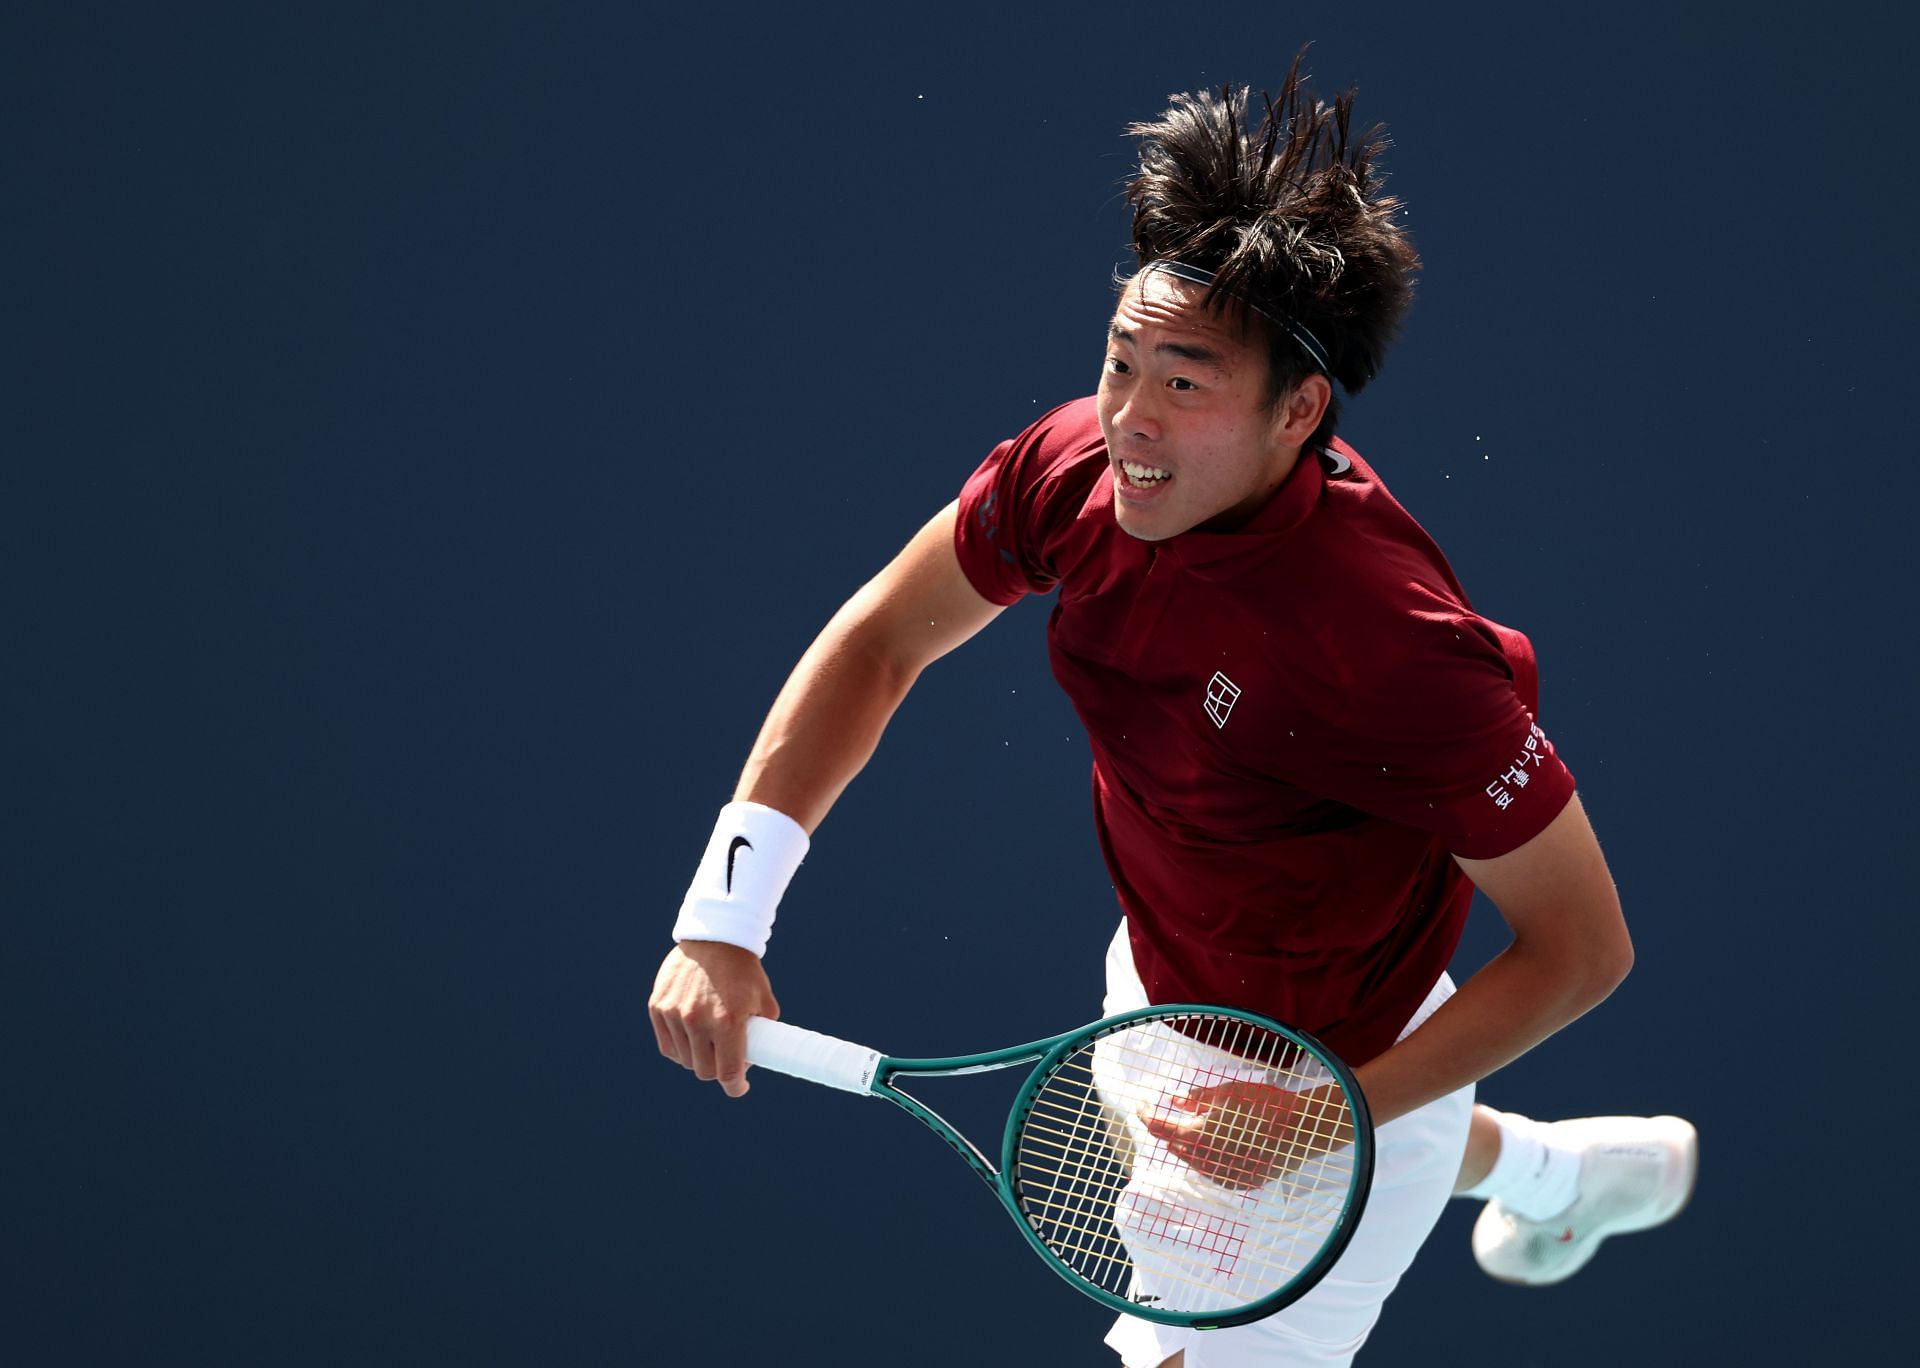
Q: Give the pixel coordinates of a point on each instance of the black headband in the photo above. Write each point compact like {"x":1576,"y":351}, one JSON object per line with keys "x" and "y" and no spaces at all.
{"x":1296,"y":330}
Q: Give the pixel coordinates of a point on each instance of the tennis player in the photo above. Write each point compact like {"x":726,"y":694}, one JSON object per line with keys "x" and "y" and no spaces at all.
{"x":1308,"y":748}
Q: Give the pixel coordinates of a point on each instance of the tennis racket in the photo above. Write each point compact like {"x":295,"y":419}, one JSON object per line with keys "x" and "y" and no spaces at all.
{"x":1197,"y":1166}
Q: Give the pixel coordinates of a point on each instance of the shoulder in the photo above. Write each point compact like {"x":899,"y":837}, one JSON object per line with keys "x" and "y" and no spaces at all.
{"x":1388,"y":617}
{"x":1378,"y":543}
{"x":1058,"y":443}
{"x":1022,"y":513}
{"x":1374,"y":561}
{"x":1042,"y":476}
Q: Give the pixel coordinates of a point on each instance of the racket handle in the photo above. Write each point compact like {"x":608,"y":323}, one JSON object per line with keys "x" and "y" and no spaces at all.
{"x":818,"y":1058}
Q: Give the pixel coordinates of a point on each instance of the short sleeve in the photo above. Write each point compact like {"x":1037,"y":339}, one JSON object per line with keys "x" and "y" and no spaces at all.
{"x":1440,"y":734}
{"x":1015,"y":508}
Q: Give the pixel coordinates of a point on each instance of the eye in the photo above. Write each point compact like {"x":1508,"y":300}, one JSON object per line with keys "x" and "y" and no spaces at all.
{"x":1180,"y":382}
{"x":1115,"y":366}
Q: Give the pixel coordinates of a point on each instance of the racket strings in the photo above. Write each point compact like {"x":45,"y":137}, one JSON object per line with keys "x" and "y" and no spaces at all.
{"x":1192,"y":1164}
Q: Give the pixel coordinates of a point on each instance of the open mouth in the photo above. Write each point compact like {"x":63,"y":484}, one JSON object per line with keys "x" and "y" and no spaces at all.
{"x":1141,"y":476}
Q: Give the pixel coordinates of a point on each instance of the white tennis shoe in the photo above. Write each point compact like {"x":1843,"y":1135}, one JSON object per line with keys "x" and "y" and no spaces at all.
{"x":1635,"y":1172}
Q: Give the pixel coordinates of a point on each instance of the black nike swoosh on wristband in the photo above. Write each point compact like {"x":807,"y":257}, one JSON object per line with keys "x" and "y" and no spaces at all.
{"x":733,"y":849}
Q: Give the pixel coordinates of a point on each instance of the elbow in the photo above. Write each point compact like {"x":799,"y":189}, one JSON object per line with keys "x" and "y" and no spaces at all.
{"x":1609,"y":968}
{"x":870,"y":649}
{"x":1620,"y":960}
{"x":1583,"y":972}
{"x":1625,"y":959}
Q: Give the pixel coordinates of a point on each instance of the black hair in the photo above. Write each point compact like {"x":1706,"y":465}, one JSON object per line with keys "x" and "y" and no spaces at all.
{"x":1289,"y":217}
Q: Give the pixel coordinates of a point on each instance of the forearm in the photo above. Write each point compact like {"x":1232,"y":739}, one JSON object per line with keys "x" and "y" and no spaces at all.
{"x":1519,"y":999}
{"x":825,"y":723}
{"x":1570,"y":949}
{"x":823,"y":726}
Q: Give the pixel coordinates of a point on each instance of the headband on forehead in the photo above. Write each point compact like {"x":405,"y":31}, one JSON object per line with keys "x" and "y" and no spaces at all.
{"x":1297,"y":331}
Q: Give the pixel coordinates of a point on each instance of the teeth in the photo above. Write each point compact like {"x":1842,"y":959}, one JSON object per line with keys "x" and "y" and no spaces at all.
{"x":1143,"y":474}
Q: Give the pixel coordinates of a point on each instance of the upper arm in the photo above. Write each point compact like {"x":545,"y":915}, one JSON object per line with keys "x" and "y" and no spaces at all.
{"x":1557,"y":894}
{"x":922,"y":604}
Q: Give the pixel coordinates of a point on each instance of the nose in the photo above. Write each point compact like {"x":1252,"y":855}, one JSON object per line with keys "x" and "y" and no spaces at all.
{"x":1138,"y":416}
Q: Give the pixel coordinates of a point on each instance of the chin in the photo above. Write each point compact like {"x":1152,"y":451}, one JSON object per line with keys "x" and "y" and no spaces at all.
{"x":1146,"y":529}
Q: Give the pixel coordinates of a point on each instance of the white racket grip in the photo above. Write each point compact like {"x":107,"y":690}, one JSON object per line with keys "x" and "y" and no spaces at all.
{"x":806,"y":1054}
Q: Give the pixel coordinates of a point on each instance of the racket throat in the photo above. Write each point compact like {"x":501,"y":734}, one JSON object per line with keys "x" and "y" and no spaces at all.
{"x":978,"y":1162}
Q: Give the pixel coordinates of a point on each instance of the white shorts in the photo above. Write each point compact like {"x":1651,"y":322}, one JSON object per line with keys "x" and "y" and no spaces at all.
{"x":1416,"y":1159}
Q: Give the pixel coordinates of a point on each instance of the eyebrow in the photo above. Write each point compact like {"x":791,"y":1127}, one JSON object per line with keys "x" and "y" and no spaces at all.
{"x":1201,"y":355}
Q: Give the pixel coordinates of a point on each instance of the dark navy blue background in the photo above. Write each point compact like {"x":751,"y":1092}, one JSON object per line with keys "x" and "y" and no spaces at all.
{"x":433,"y":431}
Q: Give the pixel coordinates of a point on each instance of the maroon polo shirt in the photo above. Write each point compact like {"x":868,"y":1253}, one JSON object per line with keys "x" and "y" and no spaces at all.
{"x":1295,"y":726}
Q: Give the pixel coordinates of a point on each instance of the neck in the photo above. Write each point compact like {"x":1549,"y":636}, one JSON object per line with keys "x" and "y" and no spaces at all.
{"x":1284,"y":460}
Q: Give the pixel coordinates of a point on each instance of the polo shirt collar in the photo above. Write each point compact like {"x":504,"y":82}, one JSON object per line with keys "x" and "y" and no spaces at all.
{"x":1211,"y":554}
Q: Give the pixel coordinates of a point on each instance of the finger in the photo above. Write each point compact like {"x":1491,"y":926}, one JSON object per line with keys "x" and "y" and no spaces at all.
{"x":1167,"y":1132}
{"x":682,"y":1052}
{"x":1171,"y":1128}
{"x":730,"y":1059}
{"x":705,"y":1068}
{"x":1194,"y":1158}
{"x":661,"y":1035}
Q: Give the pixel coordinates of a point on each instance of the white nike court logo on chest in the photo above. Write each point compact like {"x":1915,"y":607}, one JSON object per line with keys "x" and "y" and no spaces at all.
{"x":1222,"y":694}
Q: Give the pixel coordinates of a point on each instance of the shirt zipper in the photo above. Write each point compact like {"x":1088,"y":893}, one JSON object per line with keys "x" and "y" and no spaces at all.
{"x":1145,"y":613}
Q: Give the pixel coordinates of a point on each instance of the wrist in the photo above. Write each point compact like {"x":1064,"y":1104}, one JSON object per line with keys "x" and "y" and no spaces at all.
{"x":749,"y":860}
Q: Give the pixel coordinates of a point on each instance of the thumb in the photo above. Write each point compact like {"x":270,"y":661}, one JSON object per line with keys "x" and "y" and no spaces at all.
{"x":730,"y":1060}
{"x":732,"y":1075}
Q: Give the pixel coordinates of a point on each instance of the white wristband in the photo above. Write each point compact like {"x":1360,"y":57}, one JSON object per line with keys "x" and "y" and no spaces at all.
{"x":750,"y":859}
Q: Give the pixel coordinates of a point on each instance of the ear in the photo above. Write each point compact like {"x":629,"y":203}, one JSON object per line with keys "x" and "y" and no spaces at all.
{"x":1300,"y":410}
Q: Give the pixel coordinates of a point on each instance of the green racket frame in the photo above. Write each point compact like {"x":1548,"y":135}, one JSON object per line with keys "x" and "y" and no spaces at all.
{"x":1047,"y":1054}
